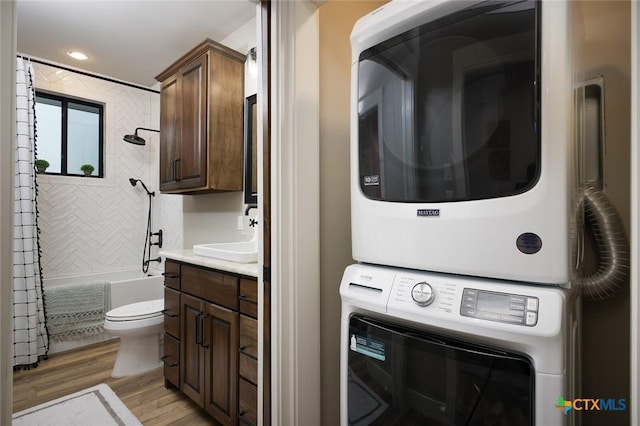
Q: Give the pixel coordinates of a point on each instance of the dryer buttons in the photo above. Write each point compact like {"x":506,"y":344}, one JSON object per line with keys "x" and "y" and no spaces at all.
{"x":422,"y":294}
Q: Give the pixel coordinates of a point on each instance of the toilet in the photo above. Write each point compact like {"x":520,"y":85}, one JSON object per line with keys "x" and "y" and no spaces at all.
{"x":140,"y":328}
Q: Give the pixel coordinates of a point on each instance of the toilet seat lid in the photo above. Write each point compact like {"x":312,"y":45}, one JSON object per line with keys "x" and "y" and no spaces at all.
{"x":137,"y":311}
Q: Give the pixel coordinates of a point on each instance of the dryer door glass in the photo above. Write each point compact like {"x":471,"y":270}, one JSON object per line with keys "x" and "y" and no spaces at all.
{"x":448,"y":110}
{"x":402,"y":376}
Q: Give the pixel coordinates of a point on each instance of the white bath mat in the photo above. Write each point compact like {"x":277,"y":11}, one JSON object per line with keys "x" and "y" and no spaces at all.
{"x":94,"y":406}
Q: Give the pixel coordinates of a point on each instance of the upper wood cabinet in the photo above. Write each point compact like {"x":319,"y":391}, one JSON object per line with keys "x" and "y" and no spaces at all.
{"x":201,"y":121}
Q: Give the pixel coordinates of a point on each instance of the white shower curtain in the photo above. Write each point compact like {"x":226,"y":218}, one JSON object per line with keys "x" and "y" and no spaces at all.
{"x":30,"y":338}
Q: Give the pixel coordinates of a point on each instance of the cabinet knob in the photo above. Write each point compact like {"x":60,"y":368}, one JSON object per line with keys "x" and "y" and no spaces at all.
{"x":165,"y":360}
{"x":170,"y":275}
{"x":244,"y":298}
{"x":176,"y":175}
{"x":199,"y":329}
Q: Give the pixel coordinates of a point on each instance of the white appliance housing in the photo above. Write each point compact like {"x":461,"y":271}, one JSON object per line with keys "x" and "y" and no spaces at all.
{"x":530,"y":236}
{"x":549,"y":341}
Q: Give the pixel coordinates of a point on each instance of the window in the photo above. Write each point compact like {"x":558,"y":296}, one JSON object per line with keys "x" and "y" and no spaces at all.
{"x":69,"y":134}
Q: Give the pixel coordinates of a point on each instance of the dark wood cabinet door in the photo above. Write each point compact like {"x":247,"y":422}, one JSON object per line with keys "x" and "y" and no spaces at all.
{"x":192,"y":372}
{"x":249,"y":297}
{"x":226,"y":130}
{"x":192,"y":160}
{"x":249,"y":336}
{"x":171,"y":312}
{"x":169,"y":136}
{"x":221,"y":363}
{"x":171,"y":360}
{"x":172,"y":274}
{"x":248,"y":393}
{"x":216,"y":287}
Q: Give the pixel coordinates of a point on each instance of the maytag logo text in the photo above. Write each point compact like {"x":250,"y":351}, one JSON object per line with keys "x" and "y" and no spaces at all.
{"x":429,"y":212}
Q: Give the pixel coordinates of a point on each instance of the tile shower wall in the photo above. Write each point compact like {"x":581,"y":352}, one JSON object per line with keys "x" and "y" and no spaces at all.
{"x":91,"y":225}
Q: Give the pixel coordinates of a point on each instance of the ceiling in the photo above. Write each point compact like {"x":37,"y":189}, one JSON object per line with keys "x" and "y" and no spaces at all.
{"x":131,"y":41}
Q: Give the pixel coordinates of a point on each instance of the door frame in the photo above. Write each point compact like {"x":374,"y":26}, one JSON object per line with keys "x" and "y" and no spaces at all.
{"x":635,"y":211}
{"x":8,"y":40}
{"x":295,"y":209}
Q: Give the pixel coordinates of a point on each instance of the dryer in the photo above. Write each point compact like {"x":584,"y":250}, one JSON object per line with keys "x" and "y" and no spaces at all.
{"x":465,"y":138}
{"x":438,"y":349}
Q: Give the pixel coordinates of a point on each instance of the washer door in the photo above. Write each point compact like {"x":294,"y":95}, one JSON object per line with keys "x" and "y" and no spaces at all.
{"x":404,"y":376}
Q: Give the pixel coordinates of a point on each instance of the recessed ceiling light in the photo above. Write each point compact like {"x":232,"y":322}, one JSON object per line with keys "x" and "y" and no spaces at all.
{"x":78,"y":55}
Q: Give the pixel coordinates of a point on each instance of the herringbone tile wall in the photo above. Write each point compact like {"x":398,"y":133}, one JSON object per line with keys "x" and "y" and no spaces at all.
{"x":91,"y":225}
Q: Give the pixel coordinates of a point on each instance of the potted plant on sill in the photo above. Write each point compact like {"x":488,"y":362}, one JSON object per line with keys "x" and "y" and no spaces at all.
{"x":87,"y":169}
{"x":41,"y":165}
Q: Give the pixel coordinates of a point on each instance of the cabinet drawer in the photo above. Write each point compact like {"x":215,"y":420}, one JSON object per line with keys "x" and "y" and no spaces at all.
{"x":215,"y":287}
{"x":171,"y":360}
{"x":249,"y":297}
{"x":171,"y":312}
{"x":248,"y":404}
{"x":249,"y":368}
{"x":248,"y":336}
{"x":172,"y":274}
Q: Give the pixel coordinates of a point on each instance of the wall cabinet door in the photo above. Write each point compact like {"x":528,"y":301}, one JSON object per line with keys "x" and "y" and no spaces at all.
{"x":183,"y":122}
{"x":221,"y":363}
{"x":170,"y":132}
{"x":192,"y":162}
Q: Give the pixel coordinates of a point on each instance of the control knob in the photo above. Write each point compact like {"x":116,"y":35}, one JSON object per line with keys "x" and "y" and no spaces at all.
{"x":423,"y":294}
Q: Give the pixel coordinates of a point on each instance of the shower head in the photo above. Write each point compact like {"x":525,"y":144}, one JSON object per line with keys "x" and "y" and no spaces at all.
{"x":134,"y":182}
{"x":135,"y":139}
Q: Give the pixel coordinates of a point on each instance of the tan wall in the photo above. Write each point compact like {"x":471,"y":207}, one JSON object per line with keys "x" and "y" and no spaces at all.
{"x":606,"y":346}
{"x":336,"y":22}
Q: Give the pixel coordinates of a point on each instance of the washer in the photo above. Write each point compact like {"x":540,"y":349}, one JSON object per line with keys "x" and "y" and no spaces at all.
{"x":438,"y":349}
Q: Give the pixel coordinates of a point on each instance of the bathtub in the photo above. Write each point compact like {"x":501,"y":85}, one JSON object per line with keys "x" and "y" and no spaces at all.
{"x":126,"y":287}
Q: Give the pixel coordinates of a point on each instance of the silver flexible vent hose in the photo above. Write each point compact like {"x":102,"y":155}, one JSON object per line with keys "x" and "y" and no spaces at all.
{"x":612,"y":271}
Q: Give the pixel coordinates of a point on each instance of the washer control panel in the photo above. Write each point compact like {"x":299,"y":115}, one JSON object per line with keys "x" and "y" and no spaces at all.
{"x":501,"y":307}
{"x":460,"y":304}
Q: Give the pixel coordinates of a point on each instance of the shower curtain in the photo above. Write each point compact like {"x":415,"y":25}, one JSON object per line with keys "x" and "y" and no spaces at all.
{"x":30,"y":336}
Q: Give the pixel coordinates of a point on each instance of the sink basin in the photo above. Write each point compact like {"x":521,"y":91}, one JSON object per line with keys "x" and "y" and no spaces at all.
{"x":241,"y":252}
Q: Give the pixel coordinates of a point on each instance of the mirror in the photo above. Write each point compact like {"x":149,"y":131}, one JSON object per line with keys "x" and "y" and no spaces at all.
{"x":250,"y":150}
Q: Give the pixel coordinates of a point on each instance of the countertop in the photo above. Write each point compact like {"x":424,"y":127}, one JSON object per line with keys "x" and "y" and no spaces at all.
{"x":187,"y":256}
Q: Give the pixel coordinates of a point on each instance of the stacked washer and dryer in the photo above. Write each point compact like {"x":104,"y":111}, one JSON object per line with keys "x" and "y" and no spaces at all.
{"x":466,"y":199}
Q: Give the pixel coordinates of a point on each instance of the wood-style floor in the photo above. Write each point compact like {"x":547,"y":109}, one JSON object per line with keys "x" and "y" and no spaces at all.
{"x":69,"y":372}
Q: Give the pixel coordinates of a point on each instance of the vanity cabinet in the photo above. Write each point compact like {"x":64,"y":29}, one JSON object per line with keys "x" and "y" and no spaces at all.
{"x":216,"y":340}
{"x":201,"y":121}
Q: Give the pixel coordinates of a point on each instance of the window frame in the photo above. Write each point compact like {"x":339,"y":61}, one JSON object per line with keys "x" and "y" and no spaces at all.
{"x":64,"y":101}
